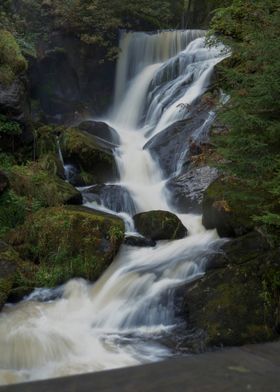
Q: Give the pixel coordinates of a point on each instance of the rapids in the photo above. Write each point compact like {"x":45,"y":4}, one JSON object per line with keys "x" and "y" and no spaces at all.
{"x":124,"y":318}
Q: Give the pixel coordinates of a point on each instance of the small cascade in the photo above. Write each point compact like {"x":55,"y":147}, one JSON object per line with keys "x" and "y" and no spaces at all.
{"x":69,"y":170}
{"x":124,"y":318}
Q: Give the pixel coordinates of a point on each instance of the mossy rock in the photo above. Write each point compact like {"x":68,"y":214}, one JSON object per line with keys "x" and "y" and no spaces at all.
{"x":227,"y":208}
{"x":51,"y":163}
{"x":67,"y":242}
{"x":159,"y":225}
{"x":41,"y":186}
{"x":12,"y":62}
{"x":238,"y":302}
{"x":90,"y":155}
{"x":8,"y":267}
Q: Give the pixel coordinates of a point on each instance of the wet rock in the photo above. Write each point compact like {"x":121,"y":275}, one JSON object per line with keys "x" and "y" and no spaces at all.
{"x":159,"y":225}
{"x":14,"y":100}
{"x":101,"y":130}
{"x":91,"y":155}
{"x":225,"y":208}
{"x":171,"y":146}
{"x":67,"y":242}
{"x":4,"y":182}
{"x":141,"y":242}
{"x":238,"y":251}
{"x":187,"y":189}
{"x":237,"y":301}
{"x":114,"y":197}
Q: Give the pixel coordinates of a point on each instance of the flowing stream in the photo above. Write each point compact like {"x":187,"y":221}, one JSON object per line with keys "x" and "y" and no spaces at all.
{"x":124,"y":318}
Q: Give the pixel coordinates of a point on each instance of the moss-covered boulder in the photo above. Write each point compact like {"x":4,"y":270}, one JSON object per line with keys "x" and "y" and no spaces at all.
{"x":90,"y":155}
{"x":238,"y":300}
{"x":12,"y":62}
{"x":8,"y":267}
{"x":101,"y":130}
{"x":14,"y":99}
{"x":159,"y":225}
{"x":228,"y":207}
{"x":45,"y":188}
{"x":67,"y":242}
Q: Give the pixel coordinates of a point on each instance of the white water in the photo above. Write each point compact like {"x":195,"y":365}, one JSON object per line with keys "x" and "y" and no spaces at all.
{"x":121,"y":319}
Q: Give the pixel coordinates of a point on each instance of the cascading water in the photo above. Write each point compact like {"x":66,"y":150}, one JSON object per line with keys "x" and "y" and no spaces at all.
{"x":122,"y":319}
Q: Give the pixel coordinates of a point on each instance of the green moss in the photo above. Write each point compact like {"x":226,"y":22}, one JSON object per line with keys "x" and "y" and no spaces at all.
{"x":12,"y":63}
{"x":82,"y":148}
{"x":159,"y":225}
{"x":230,"y":207}
{"x":8,"y":265}
{"x":234,"y":305}
{"x":66,"y":243}
{"x":33,"y":182}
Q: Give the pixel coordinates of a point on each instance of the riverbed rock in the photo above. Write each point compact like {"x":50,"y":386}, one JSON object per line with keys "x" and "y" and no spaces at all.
{"x":226,"y":209}
{"x":101,"y":130}
{"x":40,"y":185}
{"x":160,"y":225}
{"x":188,"y":188}
{"x":140,"y":242}
{"x":90,"y":154}
{"x":4,"y":182}
{"x":114,"y":197}
{"x":67,"y":242}
{"x":170,"y":147}
{"x":237,"y":301}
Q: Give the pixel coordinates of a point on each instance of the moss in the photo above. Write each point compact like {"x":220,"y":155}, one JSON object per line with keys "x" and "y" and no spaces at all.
{"x":46,"y":140}
{"x":8,"y":265}
{"x":93,"y":159}
{"x":12,"y":63}
{"x":233,"y":305}
{"x":229,"y":207}
{"x":67,"y":242}
{"x":33,"y":182}
{"x":159,"y":225}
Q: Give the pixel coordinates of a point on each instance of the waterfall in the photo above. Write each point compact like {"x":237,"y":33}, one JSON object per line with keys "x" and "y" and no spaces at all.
{"x":124,"y":317}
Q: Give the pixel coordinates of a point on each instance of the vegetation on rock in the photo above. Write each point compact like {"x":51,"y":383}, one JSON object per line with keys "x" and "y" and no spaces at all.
{"x":159,"y":225}
{"x":12,"y":62}
{"x":67,"y":242}
{"x":238,"y":300}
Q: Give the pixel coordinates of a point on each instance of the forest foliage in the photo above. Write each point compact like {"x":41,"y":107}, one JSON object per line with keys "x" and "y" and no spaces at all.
{"x":95,"y":22}
{"x":251,"y":78}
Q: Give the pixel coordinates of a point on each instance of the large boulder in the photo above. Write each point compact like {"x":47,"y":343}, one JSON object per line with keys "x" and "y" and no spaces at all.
{"x":90,"y":155}
{"x":237,"y":301}
{"x":114,"y":197}
{"x":171,"y":147}
{"x":226,"y":207}
{"x":40,"y":185}
{"x":159,"y":225}
{"x":4,"y":182}
{"x":188,"y":188}
{"x":67,"y":242}
{"x":101,"y":130}
{"x":8,"y":267}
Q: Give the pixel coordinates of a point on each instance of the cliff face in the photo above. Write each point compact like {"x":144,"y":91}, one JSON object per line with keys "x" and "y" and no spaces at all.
{"x":69,"y":78}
